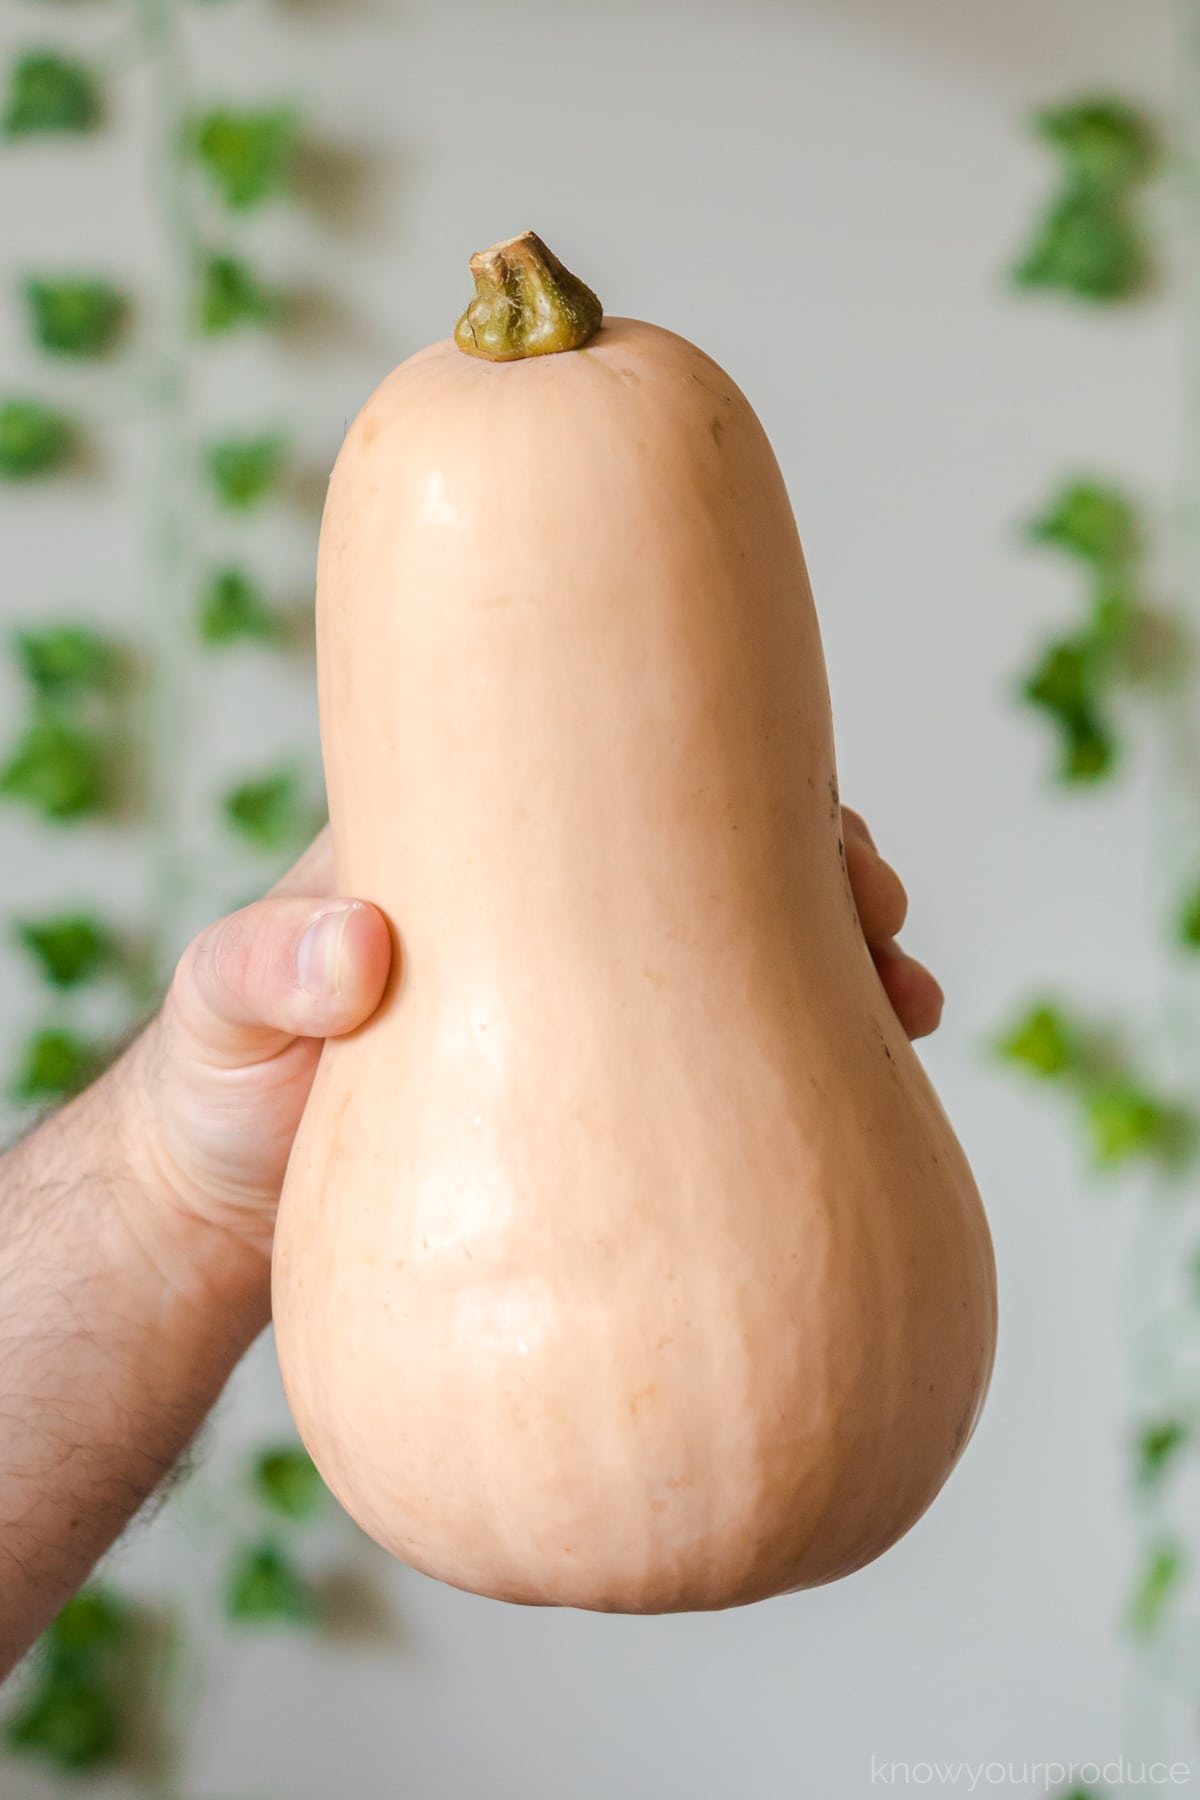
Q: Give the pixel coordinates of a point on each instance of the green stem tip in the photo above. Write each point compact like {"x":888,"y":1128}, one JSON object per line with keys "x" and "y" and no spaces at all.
{"x":526,"y":304}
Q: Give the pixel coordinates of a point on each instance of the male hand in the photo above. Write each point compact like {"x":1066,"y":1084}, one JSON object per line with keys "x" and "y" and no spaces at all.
{"x":221,"y":1074}
{"x":882,"y":909}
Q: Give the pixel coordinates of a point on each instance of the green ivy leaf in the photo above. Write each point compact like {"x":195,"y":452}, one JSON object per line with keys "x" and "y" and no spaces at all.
{"x":1157,"y":1446}
{"x":80,"y":318}
{"x":244,"y":470}
{"x":1161,"y":1577}
{"x":67,"y":659}
{"x":69,"y":1722}
{"x":287,"y":1481}
{"x":50,"y":93}
{"x":92,"y":1620}
{"x":1043,"y":1041}
{"x":1089,"y":242}
{"x":1091,"y":521}
{"x":55,"y":1064}
{"x":57,"y":770}
{"x":1107,"y":145}
{"x":1089,"y":751}
{"x":1066,"y":684}
{"x":269,"y":813}
{"x":1089,"y":246}
{"x":1099,"y":527}
{"x":1124,"y":1122}
{"x":233,"y":607}
{"x":1189,"y":920}
{"x":71,"y":949}
{"x":246,"y":155}
{"x":265,"y":1586}
{"x":232,"y":295}
{"x":72,"y":1718}
{"x":34,"y":439}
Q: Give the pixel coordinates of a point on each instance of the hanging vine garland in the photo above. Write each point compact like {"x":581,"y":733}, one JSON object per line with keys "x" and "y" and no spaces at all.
{"x":1130,"y":659}
{"x":95,"y":744}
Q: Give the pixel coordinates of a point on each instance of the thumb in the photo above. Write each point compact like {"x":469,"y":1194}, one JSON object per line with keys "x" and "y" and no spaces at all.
{"x":283,"y":968}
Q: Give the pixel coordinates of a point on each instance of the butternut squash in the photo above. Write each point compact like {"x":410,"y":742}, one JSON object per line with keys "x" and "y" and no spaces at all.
{"x":626,"y":1259}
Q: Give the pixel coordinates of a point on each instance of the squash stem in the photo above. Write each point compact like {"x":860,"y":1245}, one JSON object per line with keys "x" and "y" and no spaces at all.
{"x":526,"y":304}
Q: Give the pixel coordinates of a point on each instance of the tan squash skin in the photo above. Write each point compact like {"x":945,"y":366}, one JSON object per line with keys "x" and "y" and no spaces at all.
{"x":626,"y":1259}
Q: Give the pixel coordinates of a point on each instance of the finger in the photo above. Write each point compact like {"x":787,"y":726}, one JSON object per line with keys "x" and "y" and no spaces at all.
{"x":312,"y":872}
{"x":283,"y":968}
{"x":855,"y":826}
{"x":916,"y":997}
{"x":878,"y":891}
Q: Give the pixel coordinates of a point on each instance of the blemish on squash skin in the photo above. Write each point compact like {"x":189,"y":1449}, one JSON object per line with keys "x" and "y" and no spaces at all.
{"x":716,"y":427}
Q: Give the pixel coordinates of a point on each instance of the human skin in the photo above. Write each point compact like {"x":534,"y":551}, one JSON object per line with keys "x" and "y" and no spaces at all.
{"x":136,"y":1222}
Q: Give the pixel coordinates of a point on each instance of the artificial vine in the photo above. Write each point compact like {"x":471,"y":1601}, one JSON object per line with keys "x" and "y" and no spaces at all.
{"x":103,"y":718}
{"x":1127,"y":667}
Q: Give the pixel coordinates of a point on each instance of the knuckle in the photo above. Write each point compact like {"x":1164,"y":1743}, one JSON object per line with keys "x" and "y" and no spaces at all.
{"x":221,"y":961}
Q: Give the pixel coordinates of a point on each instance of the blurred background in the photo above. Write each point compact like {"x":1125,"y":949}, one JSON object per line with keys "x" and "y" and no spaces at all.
{"x":236,"y":216}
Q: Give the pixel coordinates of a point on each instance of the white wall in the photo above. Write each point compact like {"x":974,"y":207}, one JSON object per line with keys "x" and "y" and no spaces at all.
{"x":863,"y":162}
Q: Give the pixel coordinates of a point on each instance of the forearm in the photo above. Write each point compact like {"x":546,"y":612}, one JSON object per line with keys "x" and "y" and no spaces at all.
{"x":119,"y":1325}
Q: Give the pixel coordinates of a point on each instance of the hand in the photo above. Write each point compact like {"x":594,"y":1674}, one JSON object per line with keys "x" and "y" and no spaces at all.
{"x":220,"y":1077}
{"x":882,"y":908}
